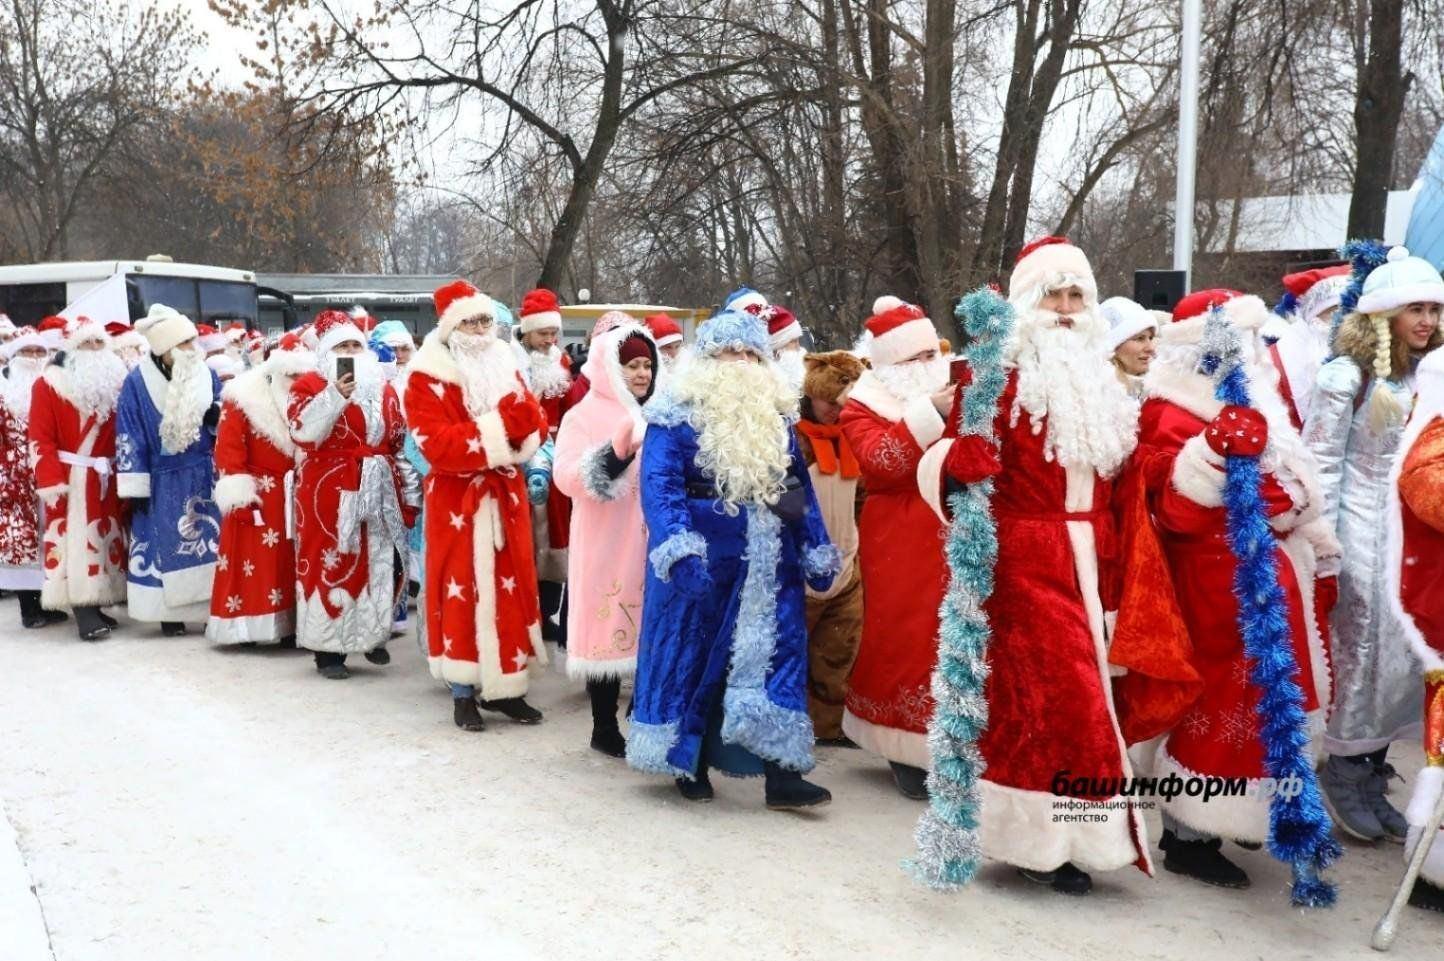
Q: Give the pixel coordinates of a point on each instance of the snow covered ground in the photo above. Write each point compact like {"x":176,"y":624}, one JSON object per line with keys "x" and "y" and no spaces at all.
{"x":175,"y":801}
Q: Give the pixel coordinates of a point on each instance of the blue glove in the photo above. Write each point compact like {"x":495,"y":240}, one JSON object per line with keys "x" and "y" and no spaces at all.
{"x":821,"y":582}
{"x":691,"y":577}
{"x":537,"y":487}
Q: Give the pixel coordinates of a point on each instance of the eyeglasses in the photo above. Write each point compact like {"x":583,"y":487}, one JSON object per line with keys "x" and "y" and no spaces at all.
{"x":480,"y":322}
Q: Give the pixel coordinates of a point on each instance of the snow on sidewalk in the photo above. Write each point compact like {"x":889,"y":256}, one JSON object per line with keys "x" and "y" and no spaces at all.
{"x":21,"y":924}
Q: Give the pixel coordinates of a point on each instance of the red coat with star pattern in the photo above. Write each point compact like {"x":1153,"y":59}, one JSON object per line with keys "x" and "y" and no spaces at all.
{"x":254,"y":596}
{"x":483,"y":620}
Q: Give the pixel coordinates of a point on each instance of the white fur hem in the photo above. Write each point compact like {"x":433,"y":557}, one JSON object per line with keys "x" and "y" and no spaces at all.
{"x":146,"y":603}
{"x":1244,"y":818}
{"x":235,"y":490}
{"x":50,"y":496}
{"x":256,"y":628}
{"x":132,"y":485}
{"x":621,"y":667}
{"x":1021,"y":828}
{"x":931,"y":481}
{"x":923,"y":421}
{"x":1198,"y":473}
{"x":894,"y":744}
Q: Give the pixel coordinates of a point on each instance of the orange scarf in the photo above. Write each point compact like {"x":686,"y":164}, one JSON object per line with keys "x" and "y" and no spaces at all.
{"x":830,"y":448}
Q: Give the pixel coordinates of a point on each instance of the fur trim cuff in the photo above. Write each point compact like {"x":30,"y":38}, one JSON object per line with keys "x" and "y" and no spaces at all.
{"x":132,"y":485}
{"x":235,"y":490}
{"x":494,"y":443}
{"x":1198,"y":473}
{"x":822,"y":559}
{"x":648,"y":746}
{"x":673,"y":549}
{"x":597,"y":479}
{"x":319,"y":416}
{"x":923,"y":421}
{"x":50,"y":496}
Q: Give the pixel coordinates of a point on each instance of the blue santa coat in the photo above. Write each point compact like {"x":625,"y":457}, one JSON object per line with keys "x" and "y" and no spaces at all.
{"x":746,"y":642}
{"x":174,"y":537}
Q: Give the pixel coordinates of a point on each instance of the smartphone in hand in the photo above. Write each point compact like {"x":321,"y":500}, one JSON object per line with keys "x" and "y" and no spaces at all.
{"x":957,"y":370}
{"x":345,"y":367}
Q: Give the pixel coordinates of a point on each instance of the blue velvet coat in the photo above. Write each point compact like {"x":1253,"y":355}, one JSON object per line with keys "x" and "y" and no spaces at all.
{"x":745,"y":644}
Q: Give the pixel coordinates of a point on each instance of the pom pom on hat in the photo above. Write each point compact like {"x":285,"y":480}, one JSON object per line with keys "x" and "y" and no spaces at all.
{"x":540,"y":311}
{"x":334,"y":328}
{"x":898,"y":333}
{"x":165,"y":327}
{"x":458,"y":301}
{"x":885,"y":303}
{"x":1401,"y":280}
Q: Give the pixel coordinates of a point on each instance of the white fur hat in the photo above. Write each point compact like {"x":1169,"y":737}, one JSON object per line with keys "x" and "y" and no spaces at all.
{"x":1126,"y":320}
{"x":1047,"y":263}
{"x":164,"y":327}
{"x":1400,"y":281}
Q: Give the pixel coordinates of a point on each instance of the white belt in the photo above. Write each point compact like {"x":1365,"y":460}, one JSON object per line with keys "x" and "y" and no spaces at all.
{"x":101,"y":465}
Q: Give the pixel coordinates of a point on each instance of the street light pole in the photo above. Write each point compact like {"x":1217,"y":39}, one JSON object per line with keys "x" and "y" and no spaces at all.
{"x":1187,"y":140}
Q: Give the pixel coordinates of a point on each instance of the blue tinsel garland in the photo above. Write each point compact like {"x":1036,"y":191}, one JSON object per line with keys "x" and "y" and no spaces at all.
{"x":949,"y":848}
{"x":1363,"y":256}
{"x":1300,"y":833}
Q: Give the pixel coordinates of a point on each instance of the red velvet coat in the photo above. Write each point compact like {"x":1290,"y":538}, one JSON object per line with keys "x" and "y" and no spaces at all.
{"x":254,"y":596}
{"x":348,"y":591}
{"x":84,"y":544}
{"x":483,"y":620}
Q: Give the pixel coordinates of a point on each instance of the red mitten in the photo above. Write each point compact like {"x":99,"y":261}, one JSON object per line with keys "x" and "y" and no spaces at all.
{"x":1326,"y":594}
{"x":1240,"y":431}
{"x":972,"y":459}
{"x":520,"y":416}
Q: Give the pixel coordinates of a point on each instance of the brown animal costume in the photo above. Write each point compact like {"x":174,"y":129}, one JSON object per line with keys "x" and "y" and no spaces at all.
{"x":834,"y":616}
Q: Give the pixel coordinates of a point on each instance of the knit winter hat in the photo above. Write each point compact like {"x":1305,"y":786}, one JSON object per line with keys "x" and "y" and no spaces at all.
{"x":540,"y":311}
{"x":664,"y":330}
{"x":164,"y":327}
{"x":1400,"y":281}
{"x":633,"y":347}
{"x":458,"y":301}
{"x":1050,"y":263}
{"x":334,"y":328}
{"x":1126,"y":320}
{"x":898,"y":331}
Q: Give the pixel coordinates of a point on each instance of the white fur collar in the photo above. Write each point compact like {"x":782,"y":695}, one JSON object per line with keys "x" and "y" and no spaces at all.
{"x":156,"y":384}
{"x":1188,"y":389}
{"x":870,"y":392}
{"x":59,"y":380}
{"x":251,"y":392}
{"x":434,"y":359}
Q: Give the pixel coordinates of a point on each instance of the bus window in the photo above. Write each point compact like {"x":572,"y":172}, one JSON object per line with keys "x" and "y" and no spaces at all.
{"x":178,"y":293}
{"x":31,"y":303}
{"x":223,"y":301}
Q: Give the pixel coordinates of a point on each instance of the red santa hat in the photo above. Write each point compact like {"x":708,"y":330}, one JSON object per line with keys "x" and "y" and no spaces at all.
{"x":209,"y":339}
{"x":782,"y":327}
{"x":899,"y":332}
{"x":125,"y":337}
{"x":458,"y":301}
{"x":1244,"y":311}
{"x":1050,"y":263}
{"x":665,"y":330}
{"x":80,"y":329}
{"x":23,"y":337}
{"x":1315,"y":291}
{"x":235,"y":332}
{"x":52,"y":331}
{"x":334,"y":328}
{"x":290,"y":356}
{"x":540,"y":311}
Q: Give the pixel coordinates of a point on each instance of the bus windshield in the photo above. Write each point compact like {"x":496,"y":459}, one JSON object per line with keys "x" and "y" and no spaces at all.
{"x":215,"y":302}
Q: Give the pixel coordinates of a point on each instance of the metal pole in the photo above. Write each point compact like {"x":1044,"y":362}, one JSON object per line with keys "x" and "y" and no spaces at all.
{"x":1187,"y":139}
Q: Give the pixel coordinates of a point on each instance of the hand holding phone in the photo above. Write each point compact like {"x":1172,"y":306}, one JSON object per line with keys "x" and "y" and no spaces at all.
{"x":957,"y":370}
{"x":345,"y":375}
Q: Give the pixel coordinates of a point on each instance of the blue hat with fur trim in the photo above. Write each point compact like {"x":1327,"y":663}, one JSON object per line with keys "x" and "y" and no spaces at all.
{"x":741,"y":299}
{"x":733,"y":330}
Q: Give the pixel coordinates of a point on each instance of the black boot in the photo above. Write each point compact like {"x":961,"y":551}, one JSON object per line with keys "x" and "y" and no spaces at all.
{"x":288,"y":643}
{"x":787,"y":791}
{"x":515,"y":708}
{"x":698,"y":788}
{"x":1428,"y":896}
{"x":1065,"y":880}
{"x":606,"y":734}
{"x":89,"y":625}
{"x":110,"y":622}
{"x":378,"y":655}
{"x":31,"y":614}
{"x":331,"y":666}
{"x":1204,"y":861}
{"x":912,"y":782}
{"x":172,"y":628}
{"x":465,"y":714}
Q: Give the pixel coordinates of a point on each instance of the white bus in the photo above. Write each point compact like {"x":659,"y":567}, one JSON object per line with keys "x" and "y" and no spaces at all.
{"x":212,"y":295}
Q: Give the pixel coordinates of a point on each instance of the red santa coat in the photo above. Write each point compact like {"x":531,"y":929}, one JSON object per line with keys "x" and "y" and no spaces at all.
{"x":350,"y":516}
{"x":19,"y":516}
{"x":904,"y":574}
{"x":1050,"y":705}
{"x":1218,"y":733}
{"x":84,"y":543}
{"x":483,"y":620}
{"x":254,"y":596}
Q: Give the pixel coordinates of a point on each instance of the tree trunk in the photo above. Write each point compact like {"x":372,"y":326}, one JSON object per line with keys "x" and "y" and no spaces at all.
{"x":1378,"y":105}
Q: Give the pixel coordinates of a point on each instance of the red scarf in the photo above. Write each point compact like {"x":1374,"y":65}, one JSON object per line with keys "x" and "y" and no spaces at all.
{"x":830,"y":448}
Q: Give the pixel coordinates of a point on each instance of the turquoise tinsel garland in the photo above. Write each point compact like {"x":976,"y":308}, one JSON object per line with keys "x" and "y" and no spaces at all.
{"x":949,"y":849}
{"x":1299,"y":828}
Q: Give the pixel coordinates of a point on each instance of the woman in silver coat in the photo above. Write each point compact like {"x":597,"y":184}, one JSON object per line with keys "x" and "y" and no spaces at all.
{"x":1361,"y":400}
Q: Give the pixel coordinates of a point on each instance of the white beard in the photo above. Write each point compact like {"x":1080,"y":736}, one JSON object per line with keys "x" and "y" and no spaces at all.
{"x":1065,"y":378}
{"x":488,"y":370}
{"x":95,"y":379}
{"x":744,"y":414}
{"x":792,"y":368}
{"x":15,"y":389}
{"x":187,"y":398}
{"x":545,"y":372}
{"x":915,"y":378}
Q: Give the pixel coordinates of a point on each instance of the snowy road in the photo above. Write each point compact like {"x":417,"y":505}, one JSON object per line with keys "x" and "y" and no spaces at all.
{"x":174,"y":801}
